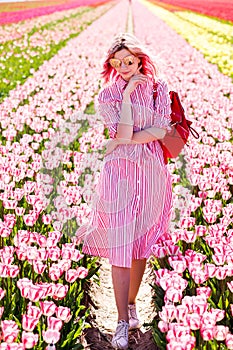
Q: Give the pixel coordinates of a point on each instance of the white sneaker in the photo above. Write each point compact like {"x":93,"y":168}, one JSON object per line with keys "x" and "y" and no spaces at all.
{"x":134,"y":321}
{"x":120,"y":338}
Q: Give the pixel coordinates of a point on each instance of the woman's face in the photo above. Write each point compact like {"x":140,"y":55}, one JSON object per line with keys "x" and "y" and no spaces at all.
{"x":125,"y":70}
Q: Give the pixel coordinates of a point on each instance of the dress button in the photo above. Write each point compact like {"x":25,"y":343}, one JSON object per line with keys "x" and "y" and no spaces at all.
{"x":138,"y":197}
{"x":138,"y":182}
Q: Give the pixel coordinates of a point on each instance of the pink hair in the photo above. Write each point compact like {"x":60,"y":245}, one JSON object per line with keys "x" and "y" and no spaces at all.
{"x":134,"y":46}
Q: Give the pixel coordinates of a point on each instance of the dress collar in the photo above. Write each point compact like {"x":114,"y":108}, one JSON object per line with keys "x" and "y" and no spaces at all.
{"x":121,"y":82}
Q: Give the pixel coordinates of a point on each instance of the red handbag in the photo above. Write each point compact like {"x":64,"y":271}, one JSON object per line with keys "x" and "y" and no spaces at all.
{"x":174,"y":140}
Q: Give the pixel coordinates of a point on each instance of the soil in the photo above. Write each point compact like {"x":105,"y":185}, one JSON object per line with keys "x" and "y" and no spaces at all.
{"x":104,"y":314}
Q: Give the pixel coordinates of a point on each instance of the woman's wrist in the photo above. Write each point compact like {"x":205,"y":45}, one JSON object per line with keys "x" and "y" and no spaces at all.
{"x":126,"y":97}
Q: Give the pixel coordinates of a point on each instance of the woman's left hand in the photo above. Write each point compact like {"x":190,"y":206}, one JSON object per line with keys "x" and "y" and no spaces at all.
{"x":111,"y":145}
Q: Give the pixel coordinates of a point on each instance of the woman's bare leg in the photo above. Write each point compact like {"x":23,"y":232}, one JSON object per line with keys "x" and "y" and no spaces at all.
{"x":136,"y":273}
{"x":121,"y":280}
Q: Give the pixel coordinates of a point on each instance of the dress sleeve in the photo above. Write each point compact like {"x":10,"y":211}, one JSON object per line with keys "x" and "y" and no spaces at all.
{"x":162,"y":116}
{"x":106,"y":107}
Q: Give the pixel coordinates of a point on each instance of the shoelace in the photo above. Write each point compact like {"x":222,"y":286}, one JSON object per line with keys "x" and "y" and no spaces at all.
{"x":122,"y":330}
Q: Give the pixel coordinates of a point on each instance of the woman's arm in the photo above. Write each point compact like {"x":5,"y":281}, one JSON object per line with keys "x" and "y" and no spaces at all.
{"x":125,"y":125}
{"x":144,"y":136}
{"x":139,"y":137}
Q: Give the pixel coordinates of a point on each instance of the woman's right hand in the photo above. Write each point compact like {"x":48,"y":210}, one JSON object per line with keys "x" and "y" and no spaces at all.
{"x":134,"y":81}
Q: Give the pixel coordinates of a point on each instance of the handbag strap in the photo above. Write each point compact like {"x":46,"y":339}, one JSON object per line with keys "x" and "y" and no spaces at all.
{"x":155,"y":93}
{"x":194,"y":133}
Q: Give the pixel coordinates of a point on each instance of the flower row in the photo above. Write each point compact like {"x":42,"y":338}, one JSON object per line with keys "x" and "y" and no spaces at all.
{"x":45,"y":189}
{"x":221,"y":9}
{"x":17,"y":16}
{"x":194,"y":261}
{"x":40,"y":44}
{"x":209,"y":36}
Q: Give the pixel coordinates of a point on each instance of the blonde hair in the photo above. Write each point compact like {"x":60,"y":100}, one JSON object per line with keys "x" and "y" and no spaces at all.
{"x":135,"y":47}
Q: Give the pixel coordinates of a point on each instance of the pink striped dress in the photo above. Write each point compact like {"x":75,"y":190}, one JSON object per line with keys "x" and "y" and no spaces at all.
{"x":133,"y":199}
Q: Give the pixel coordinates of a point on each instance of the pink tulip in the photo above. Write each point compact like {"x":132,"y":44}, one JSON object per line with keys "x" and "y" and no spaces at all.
{"x":218,"y":314}
{"x":194,"y":321}
{"x":210,"y":270}
{"x":63,"y":313}
{"x":55,"y":272}
{"x":29,"y":339}
{"x":82,"y":272}
{"x":48,"y":308}
{"x":204,"y":291}
{"x":3,"y":270}
{"x":12,"y":270}
{"x":219,"y":259}
{"x":221,"y":332}
{"x":60,"y":291}
{"x":168,"y":313}
{"x":36,"y":293}
{"x":159,"y":251}
{"x":230,"y":286}
{"x":2,"y":293}
{"x":42,"y":254}
{"x":33,"y":311}
{"x":229,"y":341}
{"x":178,"y":265}
{"x":71,"y":275}
{"x":77,"y":255}
{"x":54,"y":253}
{"x":5,"y":231}
{"x":29,"y":323}
{"x":207,"y":332}
{"x":173,"y":294}
{"x":173,"y":249}
{"x":163,"y":326}
{"x":181,"y":313}
{"x":39,"y":267}
{"x":64,"y":264}
{"x":51,"y":336}
{"x":11,"y":346}
{"x":221,"y":272}
{"x":54,"y":323}
{"x":10,"y":331}
{"x":1,"y":311}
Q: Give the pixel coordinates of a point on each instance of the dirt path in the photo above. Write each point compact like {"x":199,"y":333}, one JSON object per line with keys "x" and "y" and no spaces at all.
{"x":105,"y":316}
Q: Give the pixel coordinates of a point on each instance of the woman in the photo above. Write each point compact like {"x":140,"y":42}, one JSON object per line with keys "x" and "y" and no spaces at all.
{"x":133,"y":203}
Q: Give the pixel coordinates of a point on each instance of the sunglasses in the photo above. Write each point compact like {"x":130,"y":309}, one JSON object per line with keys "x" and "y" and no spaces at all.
{"x":116,"y":62}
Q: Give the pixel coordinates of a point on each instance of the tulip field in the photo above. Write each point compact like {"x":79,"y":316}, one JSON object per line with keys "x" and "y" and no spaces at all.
{"x":51,"y":154}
